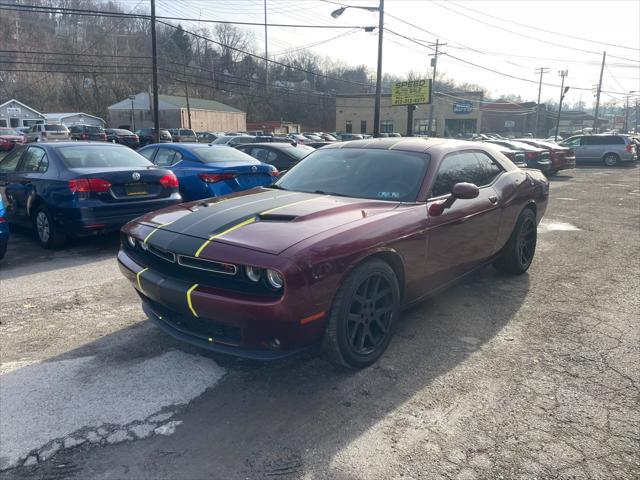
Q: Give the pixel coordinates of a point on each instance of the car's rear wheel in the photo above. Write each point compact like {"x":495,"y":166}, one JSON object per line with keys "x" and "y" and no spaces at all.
{"x":362,"y":316}
{"x":518,"y":253}
{"x":611,"y":159}
{"x":49,"y":235}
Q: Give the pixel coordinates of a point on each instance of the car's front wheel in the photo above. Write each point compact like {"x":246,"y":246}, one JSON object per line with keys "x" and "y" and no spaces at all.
{"x":362,"y":316}
{"x":49,"y":235}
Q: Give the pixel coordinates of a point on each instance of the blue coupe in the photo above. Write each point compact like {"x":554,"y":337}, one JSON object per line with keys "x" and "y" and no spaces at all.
{"x":4,"y":230}
{"x":81,"y":188}
{"x":206,"y":170}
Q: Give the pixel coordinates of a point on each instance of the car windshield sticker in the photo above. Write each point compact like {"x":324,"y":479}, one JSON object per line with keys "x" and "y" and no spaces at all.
{"x":388,"y":194}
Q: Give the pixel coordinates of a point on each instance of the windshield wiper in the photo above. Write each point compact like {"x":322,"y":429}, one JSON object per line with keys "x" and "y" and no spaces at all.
{"x":322,"y":192}
{"x":276,"y":187}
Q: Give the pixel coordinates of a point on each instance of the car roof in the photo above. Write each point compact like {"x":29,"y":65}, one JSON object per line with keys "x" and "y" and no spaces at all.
{"x":284,"y":145}
{"x":407,"y":144}
{"x":81,"y":143}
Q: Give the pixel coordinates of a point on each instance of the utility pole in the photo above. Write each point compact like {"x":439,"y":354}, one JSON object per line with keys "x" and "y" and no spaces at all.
{"x":626,"y":115}
{"x":595,"y":117}
{"x":541,"y":71}
{"x":186,"y":94}
{"x":410,"y":109}
{"x":154,"y":57}
{"x":563,"y":91}
{"x":434,"y":64}
{"x":376,"y":108}
{"x":266,"y":48}
{"x":637,"y":117}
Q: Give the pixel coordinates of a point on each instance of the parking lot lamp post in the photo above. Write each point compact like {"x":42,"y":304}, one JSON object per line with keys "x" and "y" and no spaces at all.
{"x":133,"y":115}
{"x":380,"y":10}
{"x":563,"y":92}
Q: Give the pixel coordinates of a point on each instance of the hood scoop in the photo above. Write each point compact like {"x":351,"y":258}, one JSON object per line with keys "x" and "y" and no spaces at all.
{"x":275,"y":217}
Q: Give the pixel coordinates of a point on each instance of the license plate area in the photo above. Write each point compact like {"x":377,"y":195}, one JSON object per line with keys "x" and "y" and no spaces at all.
{"x":134,"y":189}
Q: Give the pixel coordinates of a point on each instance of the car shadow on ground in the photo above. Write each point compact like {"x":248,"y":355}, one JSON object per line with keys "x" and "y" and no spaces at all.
{"x":290,"y":417}
{"x":25,"y":255}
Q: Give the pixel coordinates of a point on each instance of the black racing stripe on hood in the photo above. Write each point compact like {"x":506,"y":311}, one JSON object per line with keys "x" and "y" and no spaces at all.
{"x":173,"y":242}
{"x":217,"y":219}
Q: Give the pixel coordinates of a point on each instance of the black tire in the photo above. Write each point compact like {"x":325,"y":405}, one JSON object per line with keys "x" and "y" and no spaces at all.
{"x":4,"y":241}
{"x":49,"y":235}
{"x":362,"y":316}
{"x":611,"y":159}
{"x":517,"y":255}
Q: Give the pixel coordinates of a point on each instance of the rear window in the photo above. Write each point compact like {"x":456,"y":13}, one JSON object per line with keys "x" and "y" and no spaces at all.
{"x":222,"y":154}
{"x":101,"y":156}
{"x":299,"y":152}
{"x":92,"y":129}
{"x":190,"y":133}
{"x":119,"y":131}
{"x":55,"y":128}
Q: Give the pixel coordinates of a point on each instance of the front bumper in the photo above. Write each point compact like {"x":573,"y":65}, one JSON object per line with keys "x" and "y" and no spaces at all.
{"x":226,"y":322}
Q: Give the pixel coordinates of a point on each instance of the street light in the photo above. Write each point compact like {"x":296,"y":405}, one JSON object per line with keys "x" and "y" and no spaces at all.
{"x":380,"y":10}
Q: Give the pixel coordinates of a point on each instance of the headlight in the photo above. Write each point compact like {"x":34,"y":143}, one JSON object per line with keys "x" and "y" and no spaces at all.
{"x":253,"y":273}
{"x":275,"y":279}
{"x":131,"y":241}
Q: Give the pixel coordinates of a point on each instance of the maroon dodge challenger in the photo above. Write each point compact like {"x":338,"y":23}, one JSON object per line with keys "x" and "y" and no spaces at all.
{"x":330,"y":254}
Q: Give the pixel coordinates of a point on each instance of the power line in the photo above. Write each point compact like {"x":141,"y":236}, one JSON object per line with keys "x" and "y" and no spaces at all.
{"x":515,"y":32}
{"x":73,"y":54}
{"x":542,"y":29}
{"x":100,"y":13}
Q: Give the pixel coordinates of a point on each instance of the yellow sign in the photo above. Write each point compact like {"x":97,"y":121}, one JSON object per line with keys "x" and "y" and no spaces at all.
{"x":411,"y":92}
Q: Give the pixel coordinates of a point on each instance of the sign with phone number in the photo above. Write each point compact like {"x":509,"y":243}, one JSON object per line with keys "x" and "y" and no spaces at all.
{"x":412,"y":92}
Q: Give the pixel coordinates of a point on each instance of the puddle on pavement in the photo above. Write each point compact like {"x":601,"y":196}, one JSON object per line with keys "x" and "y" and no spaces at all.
{"x":556,"y":227}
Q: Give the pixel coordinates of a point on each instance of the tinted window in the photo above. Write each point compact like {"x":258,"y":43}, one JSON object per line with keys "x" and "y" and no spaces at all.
{"x":187,"y":132}
{"x":148,"y":153}
{"x":91,"y":129}
{"x":300,"y":151}
{"x":55,"y":128}
{"x":611,"y":140}
{"x":99,"y":156}
{"x":10,"y":162}
{"x":455,"y":168}
{"x":361,"y":173}
{"x":263,"y":155}
{"x":164,"y":157}
{"x":490,"y":170}
{"x":221,"y":154}
{"x":122,"y":132}
{"x":35,"y":160}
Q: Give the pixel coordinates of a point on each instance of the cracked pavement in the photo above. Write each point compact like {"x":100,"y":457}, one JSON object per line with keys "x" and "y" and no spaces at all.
{"x":499,"y":377}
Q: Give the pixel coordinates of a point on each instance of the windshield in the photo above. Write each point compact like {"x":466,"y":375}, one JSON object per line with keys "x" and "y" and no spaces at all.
{"x":8,"y":131}
{"x":101,"y":156}
{"x":222,"y":154}
{"x":55,"y":128}
{"x":361,"y":173}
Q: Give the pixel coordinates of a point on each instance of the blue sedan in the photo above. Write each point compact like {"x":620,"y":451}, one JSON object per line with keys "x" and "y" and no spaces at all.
{"x":206,"y":170}
{"x":4,"y":230}
{"x":81,"y":188}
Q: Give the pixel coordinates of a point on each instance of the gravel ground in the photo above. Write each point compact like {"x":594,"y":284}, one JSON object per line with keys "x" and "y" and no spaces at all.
{"x":500,"y":377}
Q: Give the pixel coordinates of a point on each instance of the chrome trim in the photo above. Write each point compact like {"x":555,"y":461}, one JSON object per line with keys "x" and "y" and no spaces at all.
{"x":223,"y":272}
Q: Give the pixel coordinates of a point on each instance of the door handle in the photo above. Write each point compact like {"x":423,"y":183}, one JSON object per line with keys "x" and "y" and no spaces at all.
{"x":493,"y":199}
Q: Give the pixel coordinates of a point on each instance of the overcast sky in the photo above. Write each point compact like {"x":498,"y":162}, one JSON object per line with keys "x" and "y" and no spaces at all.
{"x":475,"y":31}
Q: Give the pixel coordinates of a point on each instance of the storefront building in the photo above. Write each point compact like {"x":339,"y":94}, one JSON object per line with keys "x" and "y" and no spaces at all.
{"x":455,"y":114}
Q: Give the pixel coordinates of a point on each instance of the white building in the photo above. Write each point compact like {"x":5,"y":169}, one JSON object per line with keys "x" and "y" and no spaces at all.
{"x":75,"y":118}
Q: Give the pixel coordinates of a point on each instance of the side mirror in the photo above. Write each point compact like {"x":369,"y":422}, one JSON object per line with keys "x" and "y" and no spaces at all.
{"x":465,"y":191}
{"x":461,"y":191}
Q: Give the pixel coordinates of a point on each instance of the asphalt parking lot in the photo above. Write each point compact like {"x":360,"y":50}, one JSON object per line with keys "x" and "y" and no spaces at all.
{"x":499,"y":377}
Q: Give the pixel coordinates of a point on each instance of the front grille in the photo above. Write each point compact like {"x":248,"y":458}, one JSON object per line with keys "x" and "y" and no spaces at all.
{"x":168,"y":256}
{"x":231,"y":282}
{"x":198,"y":327}
{"x":207,"y":265}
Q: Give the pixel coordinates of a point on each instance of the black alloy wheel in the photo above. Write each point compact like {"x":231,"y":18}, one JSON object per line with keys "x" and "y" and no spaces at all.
{"x":369,"y":317}
{"x":518,"y":253}
{"x":364,"y":311}
{"x":527,"y":242}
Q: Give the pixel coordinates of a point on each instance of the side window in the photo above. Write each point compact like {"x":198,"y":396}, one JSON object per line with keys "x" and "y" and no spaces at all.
{"x":489,"y":168}
{"x":260,"y":154}
{"x":34,"y":161}
{"x":589,"y":141}
{"x":575,"y":142}
{"x":164,"y":157}
{"x":148,"y":154}
{"x":177,"y":158}
{"x":613,"y":140}
{"x":455,"y":168}
{"x":10,"y":162}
